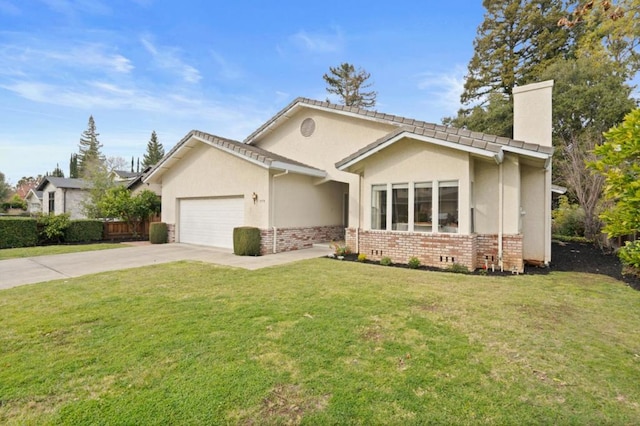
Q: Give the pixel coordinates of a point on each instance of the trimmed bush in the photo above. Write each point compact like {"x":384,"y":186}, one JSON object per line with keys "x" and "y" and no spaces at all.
{"x":84,"y":230}
{"x":414,"y":263}
{"x":246,"y":241}
{"x":386,"y":261}
{"x":18,"y":232}
{"x":158,"y":233}
{"x":51,"y":228}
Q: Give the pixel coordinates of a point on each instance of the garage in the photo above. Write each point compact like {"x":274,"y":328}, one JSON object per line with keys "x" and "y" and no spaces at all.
{"x":210,"y":221}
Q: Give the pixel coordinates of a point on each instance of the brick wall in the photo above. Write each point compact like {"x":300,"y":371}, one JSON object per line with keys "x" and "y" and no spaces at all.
{"x":438,"y":250}
{"x":288,"y":239}
{"x":171,"y":232}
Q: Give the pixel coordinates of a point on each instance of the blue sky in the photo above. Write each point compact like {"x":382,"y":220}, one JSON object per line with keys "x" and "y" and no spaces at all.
{"x":223,"y":68}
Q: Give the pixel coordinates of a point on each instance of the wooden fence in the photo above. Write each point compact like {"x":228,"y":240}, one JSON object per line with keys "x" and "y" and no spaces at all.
{"x":119,"y":231}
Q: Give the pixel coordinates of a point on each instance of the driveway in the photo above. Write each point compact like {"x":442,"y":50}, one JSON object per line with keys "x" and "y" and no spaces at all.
{"x":15,"y":272}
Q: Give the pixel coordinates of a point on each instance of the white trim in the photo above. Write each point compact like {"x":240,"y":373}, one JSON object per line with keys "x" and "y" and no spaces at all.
{"x":298,"y":169}
{"x":526,"y":152}
{"x":231,"y":151}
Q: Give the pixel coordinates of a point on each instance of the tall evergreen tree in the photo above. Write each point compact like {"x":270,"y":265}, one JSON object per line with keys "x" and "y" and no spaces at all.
{"x":73,"y":166}
{"x":155,"y":151}
{"x":57,"y":172}
{"x":348,"y":84}
{"x":89,"y":149}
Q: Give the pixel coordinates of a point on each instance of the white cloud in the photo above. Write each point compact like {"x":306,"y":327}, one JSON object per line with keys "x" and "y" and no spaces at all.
{"x":443,"y":89}
{"x":226,"y":69}
{"x":318,"y":42}
{"x":72,"y":7}
{"x":167,"y":58}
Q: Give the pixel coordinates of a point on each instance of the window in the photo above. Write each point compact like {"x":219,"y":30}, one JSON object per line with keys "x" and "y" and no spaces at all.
{"x":448,"y":206}
{"x":423,"y":207}
{"x":400,"y":207}
{"x":379,"y":207}
{"x":52,"y":202}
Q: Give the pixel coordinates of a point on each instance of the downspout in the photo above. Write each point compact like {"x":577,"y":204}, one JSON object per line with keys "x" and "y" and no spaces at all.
{"x":64,"y":200}
{"x":273,"y":209}
{"x":500,"y":214}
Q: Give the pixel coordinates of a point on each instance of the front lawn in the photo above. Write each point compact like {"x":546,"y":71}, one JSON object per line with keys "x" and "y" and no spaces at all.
{"x":13,"y":253}
{"x":319,"y":342}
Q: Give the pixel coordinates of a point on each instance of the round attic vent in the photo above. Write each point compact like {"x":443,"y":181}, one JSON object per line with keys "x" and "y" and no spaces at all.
{"x":307,"y":127}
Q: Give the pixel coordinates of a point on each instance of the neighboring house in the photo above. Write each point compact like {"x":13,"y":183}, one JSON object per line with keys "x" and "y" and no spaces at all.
{"x":388,"y":185}
{"x":63,"y":195}
{"x":137,"y":185}
{"x":34,"y":201}
{"x":123,"y":176}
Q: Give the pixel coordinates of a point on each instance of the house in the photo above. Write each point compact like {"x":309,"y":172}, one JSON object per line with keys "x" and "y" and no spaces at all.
{"x":34,"y":201}
{"x":123,"y":176}
{"x":137,"y":185}
{"x":388,"y":185}
{"x":63,"y":195}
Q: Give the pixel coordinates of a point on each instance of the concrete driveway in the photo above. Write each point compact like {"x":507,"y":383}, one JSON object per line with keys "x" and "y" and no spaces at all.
{"x":15,"y":272}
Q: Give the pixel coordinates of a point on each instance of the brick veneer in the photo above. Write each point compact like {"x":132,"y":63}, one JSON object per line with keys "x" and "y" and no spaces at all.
{"x":439,"y":250}
{"x":171,"y":232}
{"x":288,"y":239}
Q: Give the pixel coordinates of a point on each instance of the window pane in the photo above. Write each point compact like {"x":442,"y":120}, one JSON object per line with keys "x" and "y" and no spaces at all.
{"x":448,"y":207}
{"x":423,"y":207}
{"x":400,"y":205}
{"x":379,"y":207}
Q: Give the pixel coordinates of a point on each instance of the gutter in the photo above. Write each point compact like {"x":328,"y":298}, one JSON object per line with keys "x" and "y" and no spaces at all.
{"x":500,"y":214}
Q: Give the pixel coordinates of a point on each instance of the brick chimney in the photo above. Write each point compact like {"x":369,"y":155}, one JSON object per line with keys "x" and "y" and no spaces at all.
{"x":532,"y":113}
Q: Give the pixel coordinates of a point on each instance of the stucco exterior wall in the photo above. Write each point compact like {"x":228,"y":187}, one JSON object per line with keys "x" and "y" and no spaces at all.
{"x":206,"y":171}
{"x":299,"y":203}
{"x":511,"y":195}
{"x":335,"y":137}
{"x":486,"y":200}
{"x":409,"y":161}
{"x":533,"y":216}
{"x":66,"y":201}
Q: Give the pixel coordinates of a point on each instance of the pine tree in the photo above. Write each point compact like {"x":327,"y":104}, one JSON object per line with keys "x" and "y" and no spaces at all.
{"x":155,"y":151}
{"x":349,"y":84}
{"x":89,"y":148}
{"x":57,"y":172}
{"x":73,"y":166}
{"x":132,"y":164}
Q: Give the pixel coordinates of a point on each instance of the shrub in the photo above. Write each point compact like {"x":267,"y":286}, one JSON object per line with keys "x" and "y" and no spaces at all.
{"x":458,"y":269}
{"x":246,"y":241}
{"x":51,"y":228}
{"x":630,"y":254}
{"x":414,"y":263}
{"x":18,"y":232}
{"x":84,"y":230}
{"x":568,"y":219}
{"x":340,"y":250}
{"x":158,"y":233}
{"x":362,"y":257}
{"x":386,"y":261}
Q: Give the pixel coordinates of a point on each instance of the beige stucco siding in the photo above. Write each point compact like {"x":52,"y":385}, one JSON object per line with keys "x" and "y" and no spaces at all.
{"x":299,"y":203}
{"x":533,"y":216}
{"x":410,"y":161}
{"x":206,"y":171}
{"x":511,"y":194}
{"x":486,"y":199}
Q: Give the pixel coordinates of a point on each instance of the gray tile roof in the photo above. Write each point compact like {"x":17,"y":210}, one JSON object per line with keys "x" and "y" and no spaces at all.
{"x":241,"y":149}
{"x":68,"y":183}
{"x":124,"y":174}
{"x":447,"y":133}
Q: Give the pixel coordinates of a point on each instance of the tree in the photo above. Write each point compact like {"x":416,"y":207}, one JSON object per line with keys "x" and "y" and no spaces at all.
{"x":89,"y":148}
{"x":349,"y":84}
{"x":73,"y":166}
{"x":155,"y":152}
{"x":618,"y":161}
{"x":57,"y":172}
{"x":5,"y":189}
{"x":120,"y":204}
{"x":98,"y":181}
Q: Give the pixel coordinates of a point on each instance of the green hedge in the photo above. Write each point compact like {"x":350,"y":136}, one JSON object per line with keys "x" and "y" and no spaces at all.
{"x":84,"y":230}
{"x":158,"y":233}
{"x":18,"y":232}
{"x":246,"y":241}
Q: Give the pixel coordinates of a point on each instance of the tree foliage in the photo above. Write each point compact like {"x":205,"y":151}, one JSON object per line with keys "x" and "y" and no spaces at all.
{"x":98,"y":180}
{"x":89,"y":149}
{"x":349,"y":85}
{"x":5,"y":189}
{"x":618,"y":161}
{"x":57,"y":172}
{"x":155,"y":152}
{"x":119,"y":203}
{"x":73,"y":166}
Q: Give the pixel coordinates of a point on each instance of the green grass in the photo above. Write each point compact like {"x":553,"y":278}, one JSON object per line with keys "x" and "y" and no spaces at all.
{"x":319,"y":342}
{"x":59,"y":249}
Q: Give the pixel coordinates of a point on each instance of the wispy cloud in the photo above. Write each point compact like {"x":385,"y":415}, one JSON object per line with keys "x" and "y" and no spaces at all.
{"x":168,"y":58}
{"x":318,"y":42}
{"x":225,"y":69}
{"x":8,"y":8}
{"x":443,"y":89}
{"x":72,"y":7}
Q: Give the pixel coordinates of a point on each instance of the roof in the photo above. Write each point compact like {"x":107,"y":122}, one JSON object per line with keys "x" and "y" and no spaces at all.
{"x":68,"y":183}
{"x":250,"y":153}
{"x":446,"y":133}
{"x":125,"y":174}
{"x":38,"y":194}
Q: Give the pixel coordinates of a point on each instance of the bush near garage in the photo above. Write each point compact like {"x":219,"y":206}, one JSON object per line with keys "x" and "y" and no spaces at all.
{"x":158,"y":233}
{"x":246,"y":241}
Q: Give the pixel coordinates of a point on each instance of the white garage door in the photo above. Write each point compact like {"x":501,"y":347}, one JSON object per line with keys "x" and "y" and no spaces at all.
{"x":210,"y":221}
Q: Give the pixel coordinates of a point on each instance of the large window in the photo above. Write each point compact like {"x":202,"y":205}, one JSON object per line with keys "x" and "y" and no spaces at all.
{"x":52,"y":202}
{"x":379,"y":207}
{"x":400,"y":206}
{"x":423,"y":207}
{"x":448,"y":206}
